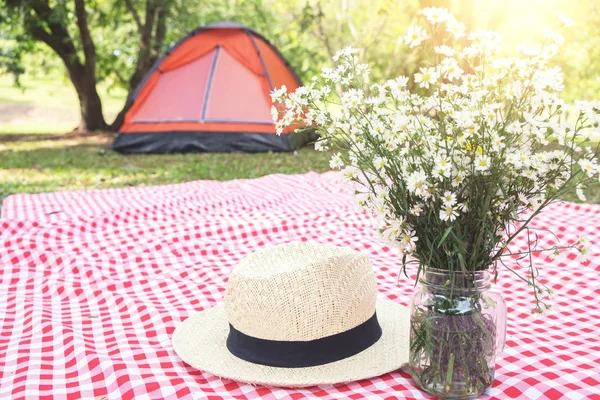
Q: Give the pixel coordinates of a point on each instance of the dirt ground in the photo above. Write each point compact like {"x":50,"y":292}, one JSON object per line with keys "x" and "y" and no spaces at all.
{"x":16,"y":113}
{"x":26,"y":113}
{"x":35,"y":137}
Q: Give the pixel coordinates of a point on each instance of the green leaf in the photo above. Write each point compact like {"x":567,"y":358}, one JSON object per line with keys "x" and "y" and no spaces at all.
{"x":445,"y":235}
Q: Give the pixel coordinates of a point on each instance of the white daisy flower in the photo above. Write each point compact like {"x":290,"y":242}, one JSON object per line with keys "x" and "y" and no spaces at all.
{"x":379,"y":208}
{"x":448,"y":214}
{"x":274,"y":114}
{"x":379,"y":162}
{"x":336,"y":161}
{"x":361,"y":199}
{"x":456,"y":28}
{"x":426,"y":77}
{"x":444,"y":50}
{"x":436,"y":15}
{"x":417,"y":182}
{"x":450,"y":69}
{"x":579,"y":192}
{"x":458,"y":179}
{"x":449,"y":199}
{"x":497,"y":142}
{"x":278,"y":95}
{"x":415,"y":36}
{"x":416,"y":210}
{"x":408,"y":241}
{"x":587,"y":166}
{"x":482,"y":163}
{"x":392,"y":231}
{"x":350,"y":173}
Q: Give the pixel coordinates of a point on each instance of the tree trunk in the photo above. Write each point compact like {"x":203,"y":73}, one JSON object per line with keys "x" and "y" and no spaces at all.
{"x":92,"y":118}
{"x":51,"y":29}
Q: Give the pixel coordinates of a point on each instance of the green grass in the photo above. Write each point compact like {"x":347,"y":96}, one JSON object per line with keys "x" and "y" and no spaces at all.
{"x":45,"y":166}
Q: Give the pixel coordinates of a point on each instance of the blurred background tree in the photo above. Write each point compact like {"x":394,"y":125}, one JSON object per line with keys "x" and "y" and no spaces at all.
{"x":108,"y":45}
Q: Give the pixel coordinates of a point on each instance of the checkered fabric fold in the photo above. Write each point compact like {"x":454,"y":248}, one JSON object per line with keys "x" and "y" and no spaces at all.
{"x":92,"y":285}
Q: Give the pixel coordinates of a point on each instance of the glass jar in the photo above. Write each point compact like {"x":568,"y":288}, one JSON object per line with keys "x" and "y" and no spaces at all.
{"x":457,"y":332}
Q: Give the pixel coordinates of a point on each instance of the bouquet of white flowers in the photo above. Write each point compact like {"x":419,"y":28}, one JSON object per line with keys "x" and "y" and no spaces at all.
{"x":454,"y":169}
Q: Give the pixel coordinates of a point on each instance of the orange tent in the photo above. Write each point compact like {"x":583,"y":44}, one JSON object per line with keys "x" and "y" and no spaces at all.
{"x":210,"y":93}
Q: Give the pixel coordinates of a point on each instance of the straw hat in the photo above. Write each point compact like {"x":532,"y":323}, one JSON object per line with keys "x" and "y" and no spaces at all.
{"x":296,"y":315}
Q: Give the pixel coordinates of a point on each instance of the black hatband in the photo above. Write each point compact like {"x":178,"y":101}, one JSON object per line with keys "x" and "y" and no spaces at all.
{"x":297,"y":354}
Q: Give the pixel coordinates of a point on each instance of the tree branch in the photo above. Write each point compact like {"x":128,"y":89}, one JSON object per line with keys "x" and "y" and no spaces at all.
{"x":145,"y":44}
{"x":134,"y":13}
{"x":89,"y":50}
{"x":121,"y":77}
{"x":161,"y":31}
{"x":146,"y":34}
{"x":321,"y":32}
{"x":58,"y":38}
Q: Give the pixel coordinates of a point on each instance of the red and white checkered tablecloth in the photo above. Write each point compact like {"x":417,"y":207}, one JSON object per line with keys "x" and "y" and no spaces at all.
{"x":92,"y":285}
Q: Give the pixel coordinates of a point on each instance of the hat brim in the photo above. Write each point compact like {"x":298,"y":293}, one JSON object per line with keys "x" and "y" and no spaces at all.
{"x":200,"y":341}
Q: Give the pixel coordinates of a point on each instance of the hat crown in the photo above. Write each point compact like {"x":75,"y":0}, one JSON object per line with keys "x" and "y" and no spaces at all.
{"x":301,"y":292}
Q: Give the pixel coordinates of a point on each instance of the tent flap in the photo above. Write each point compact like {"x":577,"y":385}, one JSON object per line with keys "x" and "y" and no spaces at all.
{"x":237,"y":93}
{"x":173,"y":98}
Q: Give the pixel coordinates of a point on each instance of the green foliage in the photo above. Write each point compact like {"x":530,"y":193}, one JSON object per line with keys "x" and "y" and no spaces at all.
{"x":307,"y":32}
{"x":581,"y":58}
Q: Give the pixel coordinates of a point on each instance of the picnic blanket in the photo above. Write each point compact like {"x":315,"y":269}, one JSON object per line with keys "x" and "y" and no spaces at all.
{"x":93,"y":284}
